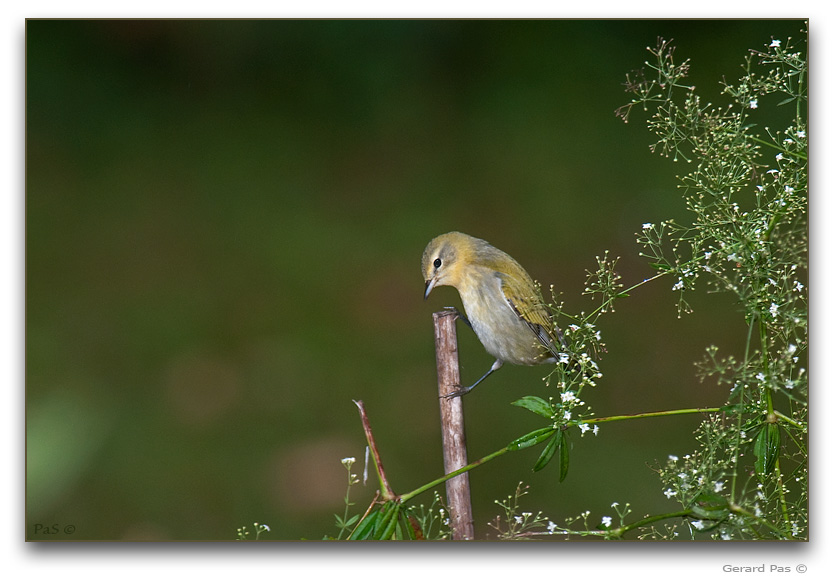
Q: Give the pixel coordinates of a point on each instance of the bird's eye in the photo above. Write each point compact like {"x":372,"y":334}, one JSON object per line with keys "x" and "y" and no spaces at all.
{"x":437,"y":262}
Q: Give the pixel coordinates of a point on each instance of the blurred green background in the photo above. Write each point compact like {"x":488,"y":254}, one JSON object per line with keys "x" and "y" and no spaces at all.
{"x":224,"y":225}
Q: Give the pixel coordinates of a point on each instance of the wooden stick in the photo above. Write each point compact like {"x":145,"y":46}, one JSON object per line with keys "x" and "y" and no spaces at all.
{"x":451,"y":424}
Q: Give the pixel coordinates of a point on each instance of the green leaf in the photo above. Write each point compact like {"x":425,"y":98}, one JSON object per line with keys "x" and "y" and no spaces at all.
{"x":549,"y":451}
{"x":384,"y":528}
{"x":711,"y":506}
{"x":766,"y":449}
{"x":531,"y":439}
{"x":564,"y":458}
{"x":535,"y":404}
{"x":364,"y":529}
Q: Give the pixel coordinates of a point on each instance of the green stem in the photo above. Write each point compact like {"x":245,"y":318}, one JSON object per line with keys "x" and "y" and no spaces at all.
{"x":618,"y":532}
{"x":406,"y":496}
{"x":775,"y":146}
{"x":653,"y":414}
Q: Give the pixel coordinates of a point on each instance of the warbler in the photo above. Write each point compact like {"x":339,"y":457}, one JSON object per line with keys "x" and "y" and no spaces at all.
{"x":503,"y":305}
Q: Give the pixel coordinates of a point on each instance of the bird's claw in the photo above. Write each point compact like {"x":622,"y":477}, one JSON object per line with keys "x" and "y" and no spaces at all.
{"x":458,"y":314}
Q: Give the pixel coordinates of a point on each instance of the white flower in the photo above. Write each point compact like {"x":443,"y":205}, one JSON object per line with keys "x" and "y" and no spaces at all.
{"x":800,"y":134}
{"x":774,"y":309}
{"x":673,"y":458}
{"x":778,"y":157}
{"x":551,"y":527}
{"x":789,"y":189}
{"x":775,"y":43}
{"x":798,"y":286}
{"x":348,"y":461}
{"x":754,"y":104}
{"x":648,"y":226}
{"x":719,"y":485}
{"x":606,"y":521}
{"x":567,"y":415}
{"x":596,"y":429}
{"x":669,"y":493}
{"x":698,"y":524}
{"x":564,"y":358}
{"x":584,"y":427}
{"x":615,"y":504}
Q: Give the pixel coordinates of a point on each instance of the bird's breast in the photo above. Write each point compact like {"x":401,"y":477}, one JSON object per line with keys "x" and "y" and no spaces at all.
{"x":504,"y":334}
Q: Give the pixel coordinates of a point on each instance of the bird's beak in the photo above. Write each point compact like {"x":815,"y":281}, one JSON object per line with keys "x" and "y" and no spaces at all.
{"x":429,"y":285}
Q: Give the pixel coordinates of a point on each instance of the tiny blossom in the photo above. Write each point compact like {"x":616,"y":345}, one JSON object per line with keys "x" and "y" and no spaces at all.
{"x":551,"y":527}
{"x":564,"y":358}
{"x":774,"y":309}
{"x":678,"y":285}
{"x":800,"y":134}
{"x":518,"y":519}
{"x":719,"y":485}
{"x":669,"y":493}
{"x":606,"y":521}
{"x":798,"y":286}
{"x":615,"y":504}
{"x":648,"y":226}
{"x":754,"y":104}
{"x":348,"y":461}
{"x":775,"y":43}
{"x":707,"y":255}
{"x":789,"y":384}
{"x":568,"y":396}
{"x":778,"y":157}
{"x":567,"y":415}
{"x":584,"y":427}
{"x":789,"y":189}
{"x":673,"y":458}
{"x":596,"y":429}
{"x":791,"y":348}
{"x":698,"y":524}
{"x":573,"y":327}
{"x":760,"y":377}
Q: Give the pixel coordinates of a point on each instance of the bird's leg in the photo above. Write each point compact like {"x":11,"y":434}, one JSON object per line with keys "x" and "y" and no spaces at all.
{"x":459,"y":314}
{"x":462,"y":391}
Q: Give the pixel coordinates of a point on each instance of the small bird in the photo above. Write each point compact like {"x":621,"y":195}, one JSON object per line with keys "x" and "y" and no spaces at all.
{"x":502,"y":303}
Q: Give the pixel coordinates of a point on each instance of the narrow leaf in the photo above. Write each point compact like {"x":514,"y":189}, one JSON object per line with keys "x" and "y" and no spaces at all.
{"x":531,"y":439}
{"x":535,"y":404}
{"x":711,"y":506}
{"x":564,"y":459}
{"x":364,"y":529}
{"x":549,"y":451}
{"x":766,"y":449}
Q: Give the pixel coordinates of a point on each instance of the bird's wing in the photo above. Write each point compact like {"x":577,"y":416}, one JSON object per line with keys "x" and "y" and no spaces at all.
{"x":531,"y":309}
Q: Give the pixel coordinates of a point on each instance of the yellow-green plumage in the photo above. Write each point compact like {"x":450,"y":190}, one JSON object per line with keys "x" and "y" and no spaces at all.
{"x":502,"y":303}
